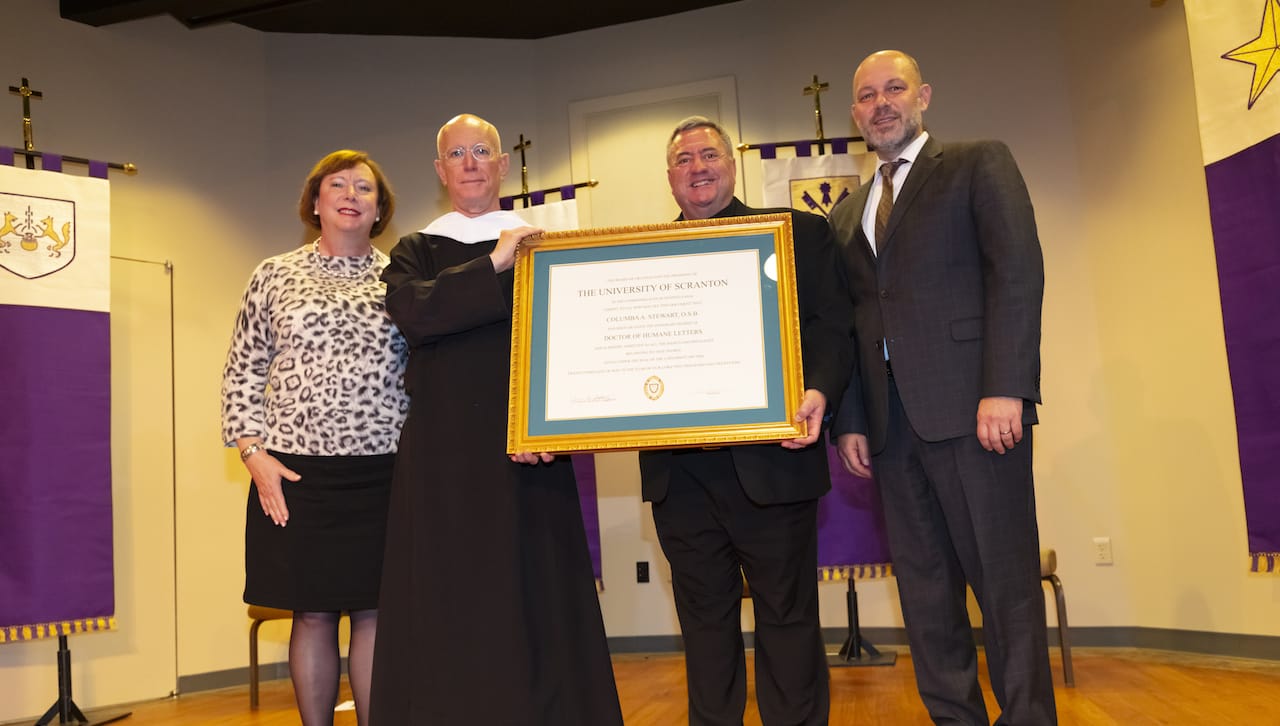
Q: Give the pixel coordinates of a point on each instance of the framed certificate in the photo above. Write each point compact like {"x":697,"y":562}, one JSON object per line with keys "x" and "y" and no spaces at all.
{"x":663,"y":336}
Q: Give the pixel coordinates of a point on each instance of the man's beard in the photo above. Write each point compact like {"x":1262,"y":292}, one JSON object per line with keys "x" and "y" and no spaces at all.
{"x":894,"y":143}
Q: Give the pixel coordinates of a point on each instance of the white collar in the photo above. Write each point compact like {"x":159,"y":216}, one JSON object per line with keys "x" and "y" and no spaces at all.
{"x":470,"y":230}
{"x":913,"y":149}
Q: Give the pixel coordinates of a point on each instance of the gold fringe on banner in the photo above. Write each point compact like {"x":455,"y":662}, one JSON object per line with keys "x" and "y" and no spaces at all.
{"x":1263,"y":561}
{"x":40,"y":631}
{"x":855,"y":572}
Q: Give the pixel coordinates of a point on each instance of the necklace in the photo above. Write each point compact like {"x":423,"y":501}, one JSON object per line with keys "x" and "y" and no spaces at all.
{"x":337,"y":266}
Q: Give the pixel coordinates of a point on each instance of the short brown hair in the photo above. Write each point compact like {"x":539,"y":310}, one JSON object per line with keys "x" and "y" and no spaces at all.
{"x":342,"y":160}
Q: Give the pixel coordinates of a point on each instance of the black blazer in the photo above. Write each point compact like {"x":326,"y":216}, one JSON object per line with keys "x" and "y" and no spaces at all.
{"x":769,"y":473}
{"x":956,"y":291}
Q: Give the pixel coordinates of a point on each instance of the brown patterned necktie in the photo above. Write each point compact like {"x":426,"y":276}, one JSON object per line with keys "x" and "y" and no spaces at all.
{"x":886,"y":199}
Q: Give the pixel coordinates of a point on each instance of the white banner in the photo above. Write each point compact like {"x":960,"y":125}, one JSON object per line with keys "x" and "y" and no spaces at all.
{"x":55,"y":240}
{"x":1234,"y":60}
{"x":552,"y":217}
{"x":814,"y":183}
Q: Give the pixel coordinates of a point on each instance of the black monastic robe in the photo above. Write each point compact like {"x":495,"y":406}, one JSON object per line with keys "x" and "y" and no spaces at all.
{"x":488,"y":612}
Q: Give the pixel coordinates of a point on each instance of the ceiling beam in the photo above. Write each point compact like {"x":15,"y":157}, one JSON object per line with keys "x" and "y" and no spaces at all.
{"x":105,"y":12}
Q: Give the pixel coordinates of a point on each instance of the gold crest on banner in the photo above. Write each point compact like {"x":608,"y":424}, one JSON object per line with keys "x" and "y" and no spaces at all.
{"x":820,"y":194}
{"x":37,"y":236}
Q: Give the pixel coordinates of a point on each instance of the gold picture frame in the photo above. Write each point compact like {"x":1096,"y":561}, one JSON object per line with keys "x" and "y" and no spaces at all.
{"x":659,"y":336}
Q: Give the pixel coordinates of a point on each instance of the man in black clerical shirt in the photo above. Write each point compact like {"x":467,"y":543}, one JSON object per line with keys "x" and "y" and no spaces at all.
{"x":751,"y":510}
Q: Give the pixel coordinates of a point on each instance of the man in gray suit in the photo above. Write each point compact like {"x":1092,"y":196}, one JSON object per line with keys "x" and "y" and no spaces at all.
{"x":944,"y":265}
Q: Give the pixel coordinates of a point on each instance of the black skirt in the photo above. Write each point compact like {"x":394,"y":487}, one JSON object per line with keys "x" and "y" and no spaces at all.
{"x":329,"y":556}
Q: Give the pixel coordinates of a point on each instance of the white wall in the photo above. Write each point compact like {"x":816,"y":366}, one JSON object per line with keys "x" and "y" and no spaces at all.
{"x":1151,"y":456}
{"x":1094,"y":97}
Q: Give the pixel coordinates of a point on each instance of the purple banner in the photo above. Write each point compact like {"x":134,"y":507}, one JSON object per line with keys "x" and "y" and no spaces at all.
{"x":1245,"y":215}
{"x":851,"y":534}
{"x":55,"y":471}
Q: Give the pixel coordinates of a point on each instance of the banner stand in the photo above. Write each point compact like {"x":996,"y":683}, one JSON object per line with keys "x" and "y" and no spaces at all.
{"x":66,"y":709}
{"x":854,"y":648}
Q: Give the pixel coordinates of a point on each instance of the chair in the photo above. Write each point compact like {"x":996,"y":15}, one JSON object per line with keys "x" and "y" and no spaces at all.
{"x":1048,"y":570}
{"x":259,"y":615}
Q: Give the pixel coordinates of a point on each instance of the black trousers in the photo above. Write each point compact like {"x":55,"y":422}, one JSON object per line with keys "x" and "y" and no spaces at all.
{"x":959,"y":515}
{"x":712,"y":535}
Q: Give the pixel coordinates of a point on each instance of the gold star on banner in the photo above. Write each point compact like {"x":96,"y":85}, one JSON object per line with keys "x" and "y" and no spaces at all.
{"x":1263,"y":52}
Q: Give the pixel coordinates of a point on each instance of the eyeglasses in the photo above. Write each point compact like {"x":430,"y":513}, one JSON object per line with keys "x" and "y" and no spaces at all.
{"x":479,"y":152}
{"x":708,"y":157}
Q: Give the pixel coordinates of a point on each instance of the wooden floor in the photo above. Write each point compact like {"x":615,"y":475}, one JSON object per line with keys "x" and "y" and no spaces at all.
{"x":1113,"y":686}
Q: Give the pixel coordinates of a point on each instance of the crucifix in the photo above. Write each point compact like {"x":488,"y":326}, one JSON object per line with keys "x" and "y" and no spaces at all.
{"x":524,"y":170}
{"x":28,"y":140}
{"x":815,"y":89}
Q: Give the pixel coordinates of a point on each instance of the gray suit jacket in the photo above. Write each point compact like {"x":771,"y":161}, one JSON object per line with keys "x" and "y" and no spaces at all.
{"x":956,"y":291}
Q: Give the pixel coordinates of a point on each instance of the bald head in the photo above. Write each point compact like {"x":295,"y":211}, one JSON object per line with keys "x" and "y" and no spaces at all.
{"x":471,"y":164}
{"x":469,"y":121}
{"x":906,"y":65}
{"x":889,"y":100}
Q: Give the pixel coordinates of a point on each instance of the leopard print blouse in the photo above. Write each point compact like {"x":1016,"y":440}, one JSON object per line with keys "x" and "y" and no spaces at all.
{"x":316,"y":366}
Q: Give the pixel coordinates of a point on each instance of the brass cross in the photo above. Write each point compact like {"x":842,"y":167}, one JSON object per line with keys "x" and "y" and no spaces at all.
{"x":815,"y":89}
{"x":28,"y":139}
{"x":524,"y":170}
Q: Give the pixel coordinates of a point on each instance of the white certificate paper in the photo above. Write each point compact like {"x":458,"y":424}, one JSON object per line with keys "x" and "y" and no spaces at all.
{"x":657,"y":335}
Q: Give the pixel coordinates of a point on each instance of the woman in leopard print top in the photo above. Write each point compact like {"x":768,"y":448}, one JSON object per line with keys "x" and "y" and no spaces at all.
{"x":313,"y":396}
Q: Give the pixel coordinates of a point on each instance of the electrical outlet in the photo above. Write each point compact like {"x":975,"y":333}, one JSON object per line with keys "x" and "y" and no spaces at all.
{"x":642,"y":572}
{"x":1102,"y":551}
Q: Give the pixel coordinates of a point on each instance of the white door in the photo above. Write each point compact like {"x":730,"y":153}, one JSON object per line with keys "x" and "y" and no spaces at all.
{"x":621,"y":142}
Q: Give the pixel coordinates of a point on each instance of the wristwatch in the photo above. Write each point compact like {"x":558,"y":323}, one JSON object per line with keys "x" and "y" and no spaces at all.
{"x":251,"y":449}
